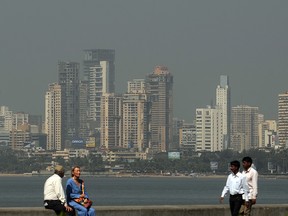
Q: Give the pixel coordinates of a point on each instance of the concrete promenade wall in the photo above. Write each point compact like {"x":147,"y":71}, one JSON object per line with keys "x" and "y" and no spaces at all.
{"x":169,"y":210}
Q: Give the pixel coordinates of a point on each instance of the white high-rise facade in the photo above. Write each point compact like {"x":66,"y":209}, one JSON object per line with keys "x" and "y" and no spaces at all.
{"x":99,"y":72}
{"x":283,"y":119}
{"x":135,"y":116}
{"x":209,"y":129}
{"x":267,"y":131}
{"x":6,"y":119}
{"x":111,"y":121}
{"x":53,"y":117}
{"x":98,"y":85}
{"x":223,"y":101}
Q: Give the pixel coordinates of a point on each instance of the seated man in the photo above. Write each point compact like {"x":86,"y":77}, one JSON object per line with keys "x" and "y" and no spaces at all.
{"x":54,"y":196}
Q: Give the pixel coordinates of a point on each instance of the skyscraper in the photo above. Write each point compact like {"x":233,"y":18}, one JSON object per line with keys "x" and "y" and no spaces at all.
{"x":244,"y":130}
{"x":159,"y":86}
{"x":92,"y":58}
{"x":68,"y":79}
{"x":283,"y":119}
{"x":98,"y":85}
{"x":111,"y":121}
{"x":83,"y":104}
{"x":135,"y":116}
{"x":223,"y":101}
{"x":53,"y":117}
{"x":209,"y":129}
{"x":99,"y":71}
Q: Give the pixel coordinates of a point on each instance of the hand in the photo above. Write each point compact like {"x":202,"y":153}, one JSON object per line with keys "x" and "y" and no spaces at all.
{"x":82,"y":195}
{"x":247,"y":204}
{"x":221,"y":199}
{"x":68,"y":208}
{"x":253,"y":201}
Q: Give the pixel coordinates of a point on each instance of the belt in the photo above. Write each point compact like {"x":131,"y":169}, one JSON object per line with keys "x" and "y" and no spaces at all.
{"x":235,"y":195}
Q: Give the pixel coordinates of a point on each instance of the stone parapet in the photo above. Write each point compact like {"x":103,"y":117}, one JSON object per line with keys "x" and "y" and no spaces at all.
{"x":162,"y":210}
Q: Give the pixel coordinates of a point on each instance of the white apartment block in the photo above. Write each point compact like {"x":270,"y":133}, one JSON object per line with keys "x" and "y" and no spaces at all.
{"x":6,"y":119}
{"x":53,"y":117}
{"x":136,"y":86}
{"x":267,"y":134}
{"x":223,"y":101}
{"x":283,"y":119}
{"x":135,"y":114}
{"x":111,"y":120}
{"x":209,"y":129}
{"x":97,"y":86}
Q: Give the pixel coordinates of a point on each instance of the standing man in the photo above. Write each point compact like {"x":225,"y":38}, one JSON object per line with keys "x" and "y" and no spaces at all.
{"x":252,"y":181}
{"x":54,"y":196}
{"x":237,"y":187}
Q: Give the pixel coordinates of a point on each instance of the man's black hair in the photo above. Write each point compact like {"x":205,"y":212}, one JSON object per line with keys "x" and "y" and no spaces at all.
{"x":247,"y":159}
{"x":235,"y":163}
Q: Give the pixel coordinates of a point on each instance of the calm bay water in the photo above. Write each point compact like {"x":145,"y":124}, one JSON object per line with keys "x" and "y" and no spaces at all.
{"x":27,"y":191}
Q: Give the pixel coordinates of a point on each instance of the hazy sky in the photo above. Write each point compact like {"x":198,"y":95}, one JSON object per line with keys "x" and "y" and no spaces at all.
{"x":198,"y":40}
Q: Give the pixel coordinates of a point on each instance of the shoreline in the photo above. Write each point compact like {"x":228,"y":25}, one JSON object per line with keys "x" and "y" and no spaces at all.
{"x":114,"y":175}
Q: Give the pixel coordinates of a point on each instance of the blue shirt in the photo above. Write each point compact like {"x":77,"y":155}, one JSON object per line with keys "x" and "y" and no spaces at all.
{"x":73,"y":191}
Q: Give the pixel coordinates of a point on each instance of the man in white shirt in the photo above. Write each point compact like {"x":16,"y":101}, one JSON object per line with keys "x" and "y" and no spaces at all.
{"x":252,"y":181}
{"x":237,"y":187}
{"x":54,"y":196}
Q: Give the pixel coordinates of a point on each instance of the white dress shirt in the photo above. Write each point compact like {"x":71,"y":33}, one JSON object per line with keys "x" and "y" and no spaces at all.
{"x":53,"y":189}
{"x":252,"y":181}
{"x":236,"y":184}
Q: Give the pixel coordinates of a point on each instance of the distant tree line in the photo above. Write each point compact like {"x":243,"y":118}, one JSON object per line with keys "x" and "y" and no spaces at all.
{"x":12,"y":161}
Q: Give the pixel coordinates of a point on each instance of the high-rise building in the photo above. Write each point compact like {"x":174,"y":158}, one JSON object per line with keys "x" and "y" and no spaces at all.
{"x":53,"y":117}
{"x":83,"y":113}
{"x":187,"y":137}
{"x":136,"y":86}
{"x":223,"y":101}
{"x":92,"y":58}
{"x":244,"y":130}
{"x":6,"y":119}
{"x":68,"y":79}
{"x":177,"y":124}
{"x":267,"y":131}
{"x":111,"y":121}
{"x":99,"y":71}
{"x":98,"y":85}
{"x":135,"y":116}
{"x":159,"y":86}
{"x":283,"y":119}
{"x":209,"y":129}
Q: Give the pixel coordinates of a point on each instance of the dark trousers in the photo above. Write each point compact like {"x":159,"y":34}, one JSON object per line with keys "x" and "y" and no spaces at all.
{"x":235,"y":202}
{"x":55,"y":205}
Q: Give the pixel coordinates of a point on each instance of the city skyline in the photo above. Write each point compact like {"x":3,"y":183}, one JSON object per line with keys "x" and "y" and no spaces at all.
{"x":197,"y":41}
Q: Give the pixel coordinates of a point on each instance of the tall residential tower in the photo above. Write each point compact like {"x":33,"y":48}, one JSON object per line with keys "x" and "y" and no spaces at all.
{"x":68,"y":79}
{"x":283,"y":119}
{"x":223,"y":101}
{"x":53,"y":117}
{"x":159,"y":86}
{"x":99,"y":72}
